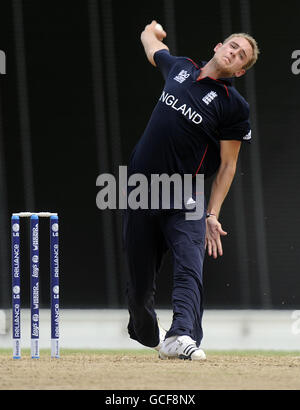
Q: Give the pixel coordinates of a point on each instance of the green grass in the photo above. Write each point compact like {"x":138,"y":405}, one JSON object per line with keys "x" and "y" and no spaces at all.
{"x":65,"y":352}
{"x":84,"y":351}
{"x":254,"y":352}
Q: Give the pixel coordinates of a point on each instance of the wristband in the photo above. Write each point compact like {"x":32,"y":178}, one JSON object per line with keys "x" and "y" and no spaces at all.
{"x":208,"y":215}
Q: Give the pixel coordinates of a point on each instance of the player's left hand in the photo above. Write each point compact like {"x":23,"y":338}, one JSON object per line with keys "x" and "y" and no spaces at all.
{"x":213,"y":235}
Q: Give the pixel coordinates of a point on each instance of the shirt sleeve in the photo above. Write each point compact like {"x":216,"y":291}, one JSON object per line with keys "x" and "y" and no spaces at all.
{"x":164,"y":61}
{"x":236,"y":126}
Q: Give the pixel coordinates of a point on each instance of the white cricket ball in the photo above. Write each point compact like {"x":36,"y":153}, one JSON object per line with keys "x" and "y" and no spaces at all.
{"x":158,"y":27}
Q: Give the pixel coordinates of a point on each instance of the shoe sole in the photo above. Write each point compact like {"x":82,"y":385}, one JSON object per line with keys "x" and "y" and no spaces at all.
{"x":165,"y":357}
{"x":181,"y":357}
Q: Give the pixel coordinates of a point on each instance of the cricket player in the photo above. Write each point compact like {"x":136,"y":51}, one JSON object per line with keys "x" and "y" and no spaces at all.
{"x":197,"y":126}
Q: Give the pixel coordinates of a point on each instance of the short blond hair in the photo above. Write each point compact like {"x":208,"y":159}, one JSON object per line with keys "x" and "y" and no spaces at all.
{"x":253,"y":44}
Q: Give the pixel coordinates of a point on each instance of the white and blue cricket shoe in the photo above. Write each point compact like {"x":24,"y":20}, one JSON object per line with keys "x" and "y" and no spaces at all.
{"x":181,"y":347}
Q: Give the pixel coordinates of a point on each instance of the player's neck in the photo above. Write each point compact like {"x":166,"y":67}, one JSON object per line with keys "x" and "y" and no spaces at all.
{"x":212,"y":70}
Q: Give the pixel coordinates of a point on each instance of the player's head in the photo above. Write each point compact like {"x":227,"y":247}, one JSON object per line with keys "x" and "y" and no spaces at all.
{"x":237,"y":53}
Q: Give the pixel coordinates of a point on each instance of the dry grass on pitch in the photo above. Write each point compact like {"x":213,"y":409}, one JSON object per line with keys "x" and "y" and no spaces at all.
{"x":143,"y":370}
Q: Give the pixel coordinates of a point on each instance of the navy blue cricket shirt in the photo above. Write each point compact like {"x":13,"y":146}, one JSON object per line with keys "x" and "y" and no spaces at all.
{"x":189,"y":120}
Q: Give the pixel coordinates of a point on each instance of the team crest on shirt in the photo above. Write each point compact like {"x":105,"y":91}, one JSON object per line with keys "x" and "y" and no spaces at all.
{"x":209,"y":97}
{"x":182,"y":76}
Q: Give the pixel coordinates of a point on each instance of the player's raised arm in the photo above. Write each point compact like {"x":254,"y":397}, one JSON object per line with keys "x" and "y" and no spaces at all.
{"x":152,"y":40}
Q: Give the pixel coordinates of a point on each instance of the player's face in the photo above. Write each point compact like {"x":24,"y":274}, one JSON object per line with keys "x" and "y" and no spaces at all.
{"x":233,"y":55}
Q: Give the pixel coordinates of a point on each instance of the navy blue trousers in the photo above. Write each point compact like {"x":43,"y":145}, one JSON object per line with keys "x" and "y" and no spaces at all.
{"x":147,"y":235}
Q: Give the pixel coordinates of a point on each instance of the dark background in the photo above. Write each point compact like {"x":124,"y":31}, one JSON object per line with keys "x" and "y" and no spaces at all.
{"x":76,"y":97}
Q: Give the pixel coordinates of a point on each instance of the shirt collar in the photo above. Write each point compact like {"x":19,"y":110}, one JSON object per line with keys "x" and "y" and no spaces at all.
{"x":226,"y":81}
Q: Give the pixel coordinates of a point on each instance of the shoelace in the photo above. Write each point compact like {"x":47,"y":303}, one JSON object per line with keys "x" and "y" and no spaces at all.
{"x":186,"y":339}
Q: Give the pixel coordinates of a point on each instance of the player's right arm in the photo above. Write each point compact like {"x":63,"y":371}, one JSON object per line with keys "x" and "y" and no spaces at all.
{"x":152,"y":40}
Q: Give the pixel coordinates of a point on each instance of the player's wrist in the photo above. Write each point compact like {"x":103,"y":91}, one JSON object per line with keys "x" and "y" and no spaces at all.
{"x":211,"y":214}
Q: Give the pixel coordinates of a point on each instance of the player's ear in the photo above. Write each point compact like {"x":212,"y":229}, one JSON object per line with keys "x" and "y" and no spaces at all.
{"x":240,"y":73}
{"x":218,"y":46}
